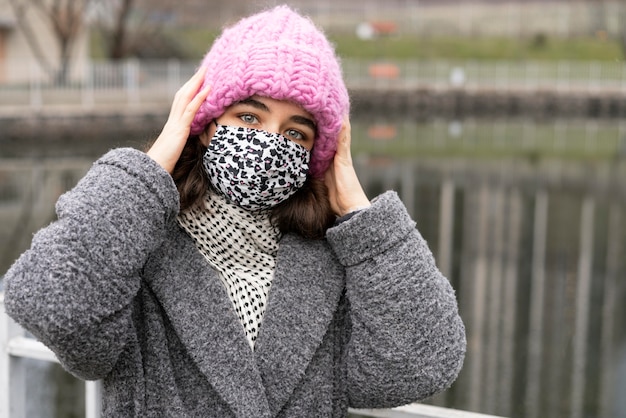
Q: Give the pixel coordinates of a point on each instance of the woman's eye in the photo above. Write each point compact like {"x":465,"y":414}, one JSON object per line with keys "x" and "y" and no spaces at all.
{"x":247,"y":118}
{"x":295,"y":134}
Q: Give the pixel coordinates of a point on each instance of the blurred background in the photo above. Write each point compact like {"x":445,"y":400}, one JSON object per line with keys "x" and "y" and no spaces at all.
{"x":500,"y":124}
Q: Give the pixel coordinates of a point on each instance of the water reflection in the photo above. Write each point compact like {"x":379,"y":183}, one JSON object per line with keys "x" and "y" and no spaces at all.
{"x":534,"y":250}
{"x":532,"y":242}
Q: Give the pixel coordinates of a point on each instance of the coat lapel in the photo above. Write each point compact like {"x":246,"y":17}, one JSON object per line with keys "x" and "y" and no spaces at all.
{"x":306,"y":288}
{"x":200,"y":311}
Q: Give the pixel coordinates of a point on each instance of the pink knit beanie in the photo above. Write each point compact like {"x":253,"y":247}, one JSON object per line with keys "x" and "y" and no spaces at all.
{"x":284,"y":56}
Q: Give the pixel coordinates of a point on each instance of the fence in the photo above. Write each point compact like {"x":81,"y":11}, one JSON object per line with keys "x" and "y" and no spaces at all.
{"x":14,"y":345}
{"x":153,"y":83}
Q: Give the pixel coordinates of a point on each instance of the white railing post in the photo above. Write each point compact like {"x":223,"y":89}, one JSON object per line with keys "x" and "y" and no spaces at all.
{"x":131,"y":78}
{"x":593,"y":76}
{"x":93,"y":399}
{"x":14,"y":350}
{"x":12,"y":382}
{"x":570,"y":76}
{"x":87,"y":85}
{"x":5,"y":397}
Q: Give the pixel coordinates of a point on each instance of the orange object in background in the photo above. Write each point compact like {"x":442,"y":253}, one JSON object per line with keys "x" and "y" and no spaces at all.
{"x":384,"y":70}
{"x":382,"y":132}
{"x":379,"y":161}
{"x":384,"y":27}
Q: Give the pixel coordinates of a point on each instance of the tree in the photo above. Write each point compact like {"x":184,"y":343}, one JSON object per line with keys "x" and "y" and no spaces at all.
{"x":112,"y":20}
{"x":65,"y":19}
{"x":117,"y":48}
{"x":129,"y":28}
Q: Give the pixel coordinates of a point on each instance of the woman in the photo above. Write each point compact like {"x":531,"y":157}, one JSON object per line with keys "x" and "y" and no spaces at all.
{"x":237,"y":268}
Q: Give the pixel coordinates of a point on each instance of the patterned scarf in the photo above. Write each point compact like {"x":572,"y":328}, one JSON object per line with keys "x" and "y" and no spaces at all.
{"x":242,"y":247}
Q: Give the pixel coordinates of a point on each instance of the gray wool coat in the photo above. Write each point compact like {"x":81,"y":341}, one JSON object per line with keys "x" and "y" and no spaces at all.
{"x":119,"y":292}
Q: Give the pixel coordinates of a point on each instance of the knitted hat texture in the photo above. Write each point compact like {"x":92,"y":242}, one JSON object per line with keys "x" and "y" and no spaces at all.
{"x":278,"y":54}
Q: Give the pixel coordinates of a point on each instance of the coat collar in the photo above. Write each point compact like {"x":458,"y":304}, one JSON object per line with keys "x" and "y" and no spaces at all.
{"x":197,"y":305}
{"x":306,"y":288}
{"x":302,"y":301}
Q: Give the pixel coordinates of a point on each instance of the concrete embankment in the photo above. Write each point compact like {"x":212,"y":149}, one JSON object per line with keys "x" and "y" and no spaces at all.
{"x":142,"y":122}
{"x":485,"y":102}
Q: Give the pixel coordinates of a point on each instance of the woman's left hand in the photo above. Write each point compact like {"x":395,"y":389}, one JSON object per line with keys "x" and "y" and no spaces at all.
{"x":344,"y":189}
{"x":169,"y":145}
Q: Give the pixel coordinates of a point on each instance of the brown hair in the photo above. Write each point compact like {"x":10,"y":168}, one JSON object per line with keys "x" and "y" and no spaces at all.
{"x":307,"y":212}
{"x":189,"y":175}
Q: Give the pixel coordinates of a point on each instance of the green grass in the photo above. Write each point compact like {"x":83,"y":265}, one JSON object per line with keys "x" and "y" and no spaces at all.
{"x":451,"y":48}
{"x":196,"y":41}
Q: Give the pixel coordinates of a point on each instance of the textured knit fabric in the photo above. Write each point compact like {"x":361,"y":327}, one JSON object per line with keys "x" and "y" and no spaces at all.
{"x":117,"y":289}
{"x":242,"y":247}
{"x":282,"y":55}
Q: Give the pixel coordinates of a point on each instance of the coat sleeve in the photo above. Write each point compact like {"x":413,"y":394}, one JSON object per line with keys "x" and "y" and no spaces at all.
{"x":73,"y":289}
{"x":407,"y":340}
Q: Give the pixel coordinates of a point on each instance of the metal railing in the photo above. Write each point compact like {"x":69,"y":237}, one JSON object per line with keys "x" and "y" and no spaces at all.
{"x":14,"y":345}
{"x":153,"y":83}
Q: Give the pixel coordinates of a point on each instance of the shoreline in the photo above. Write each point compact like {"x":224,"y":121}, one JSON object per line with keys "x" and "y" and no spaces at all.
{"x":470,"y":101}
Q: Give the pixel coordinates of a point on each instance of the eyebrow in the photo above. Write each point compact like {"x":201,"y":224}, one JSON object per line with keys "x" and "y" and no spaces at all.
{"x":254,"y":103}
{"x":302,"y":120}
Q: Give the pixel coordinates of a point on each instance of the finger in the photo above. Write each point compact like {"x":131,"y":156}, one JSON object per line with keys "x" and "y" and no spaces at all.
{"x":347,"y":129}
{"x":344,"y":141}
{"x":329,"y":180}
{"x":196,"y":102}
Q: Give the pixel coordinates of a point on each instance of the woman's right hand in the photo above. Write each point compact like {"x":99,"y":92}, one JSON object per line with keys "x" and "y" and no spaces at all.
{"x":344,"y":189}
{"x":169,"y":145}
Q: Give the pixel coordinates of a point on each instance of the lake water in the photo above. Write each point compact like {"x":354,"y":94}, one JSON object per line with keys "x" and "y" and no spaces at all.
{"x":527,"y":218}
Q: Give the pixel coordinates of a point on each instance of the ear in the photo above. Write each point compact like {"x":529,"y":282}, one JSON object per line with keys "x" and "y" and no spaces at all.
{"x":207,"y":134}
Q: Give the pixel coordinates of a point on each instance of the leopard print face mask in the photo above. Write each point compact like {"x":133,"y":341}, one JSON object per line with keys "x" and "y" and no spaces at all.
{"x":255,"y":169}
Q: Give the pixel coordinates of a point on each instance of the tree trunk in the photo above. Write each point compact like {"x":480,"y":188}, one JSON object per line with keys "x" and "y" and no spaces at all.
{"x":20,"y":9}
{"x":119,"y":39}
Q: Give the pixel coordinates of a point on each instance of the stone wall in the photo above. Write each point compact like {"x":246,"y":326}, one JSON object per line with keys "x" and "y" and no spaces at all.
{"x":426,"y":102}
